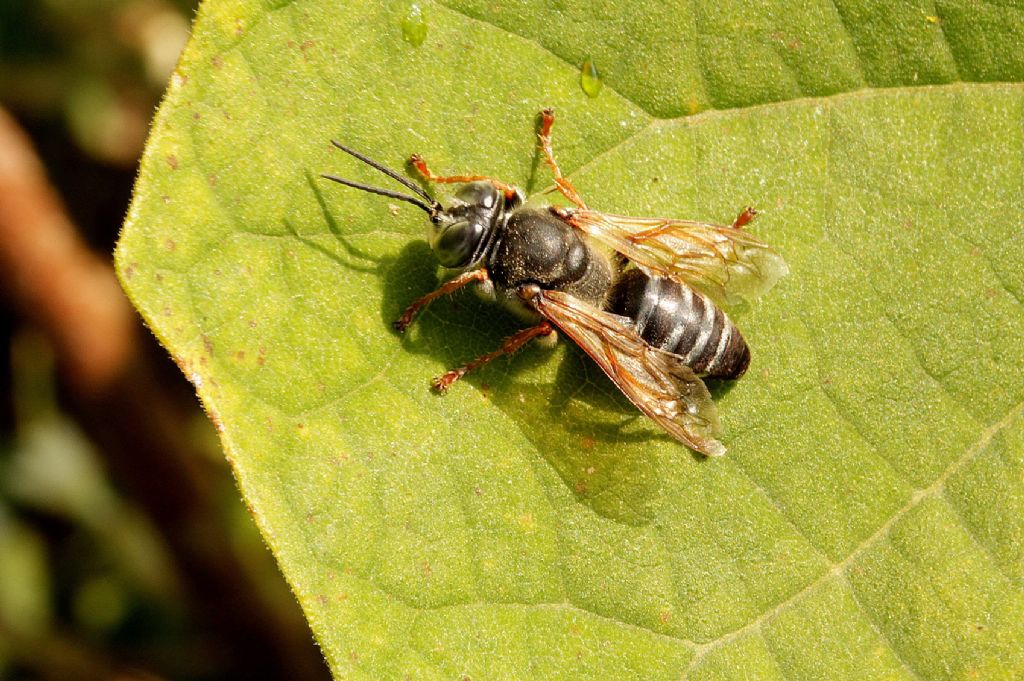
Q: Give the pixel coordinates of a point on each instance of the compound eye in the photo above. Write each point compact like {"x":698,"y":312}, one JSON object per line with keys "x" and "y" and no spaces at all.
{"x":482,"y":194}
{"x":455,"y":244}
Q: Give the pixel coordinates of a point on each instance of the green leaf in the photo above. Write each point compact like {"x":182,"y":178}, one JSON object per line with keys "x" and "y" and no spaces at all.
{"x":868,"y":521}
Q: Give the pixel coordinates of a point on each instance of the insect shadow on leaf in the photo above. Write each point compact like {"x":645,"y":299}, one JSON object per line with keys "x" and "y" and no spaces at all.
{"x":352,"y":258}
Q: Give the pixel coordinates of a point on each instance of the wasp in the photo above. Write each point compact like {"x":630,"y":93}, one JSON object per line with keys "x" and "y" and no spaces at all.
{"x":641,"y":296}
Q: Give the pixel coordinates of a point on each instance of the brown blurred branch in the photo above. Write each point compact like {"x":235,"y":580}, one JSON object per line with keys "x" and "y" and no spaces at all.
{"x":57,"y":283}
{"x":52,"y":277}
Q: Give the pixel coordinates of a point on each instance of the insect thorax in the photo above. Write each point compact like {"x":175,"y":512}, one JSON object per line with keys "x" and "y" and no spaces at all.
{"x":534,"y":246}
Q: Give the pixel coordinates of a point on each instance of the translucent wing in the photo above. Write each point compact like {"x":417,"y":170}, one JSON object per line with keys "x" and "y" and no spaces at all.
{"x":657,"y":382}
{"x":727,"y":263}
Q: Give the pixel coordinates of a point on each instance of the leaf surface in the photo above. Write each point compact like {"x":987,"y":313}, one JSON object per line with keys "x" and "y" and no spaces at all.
{"x":868,"y":521}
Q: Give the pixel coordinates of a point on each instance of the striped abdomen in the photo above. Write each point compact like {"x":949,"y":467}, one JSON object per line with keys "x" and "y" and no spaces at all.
{"x":674,"y":317}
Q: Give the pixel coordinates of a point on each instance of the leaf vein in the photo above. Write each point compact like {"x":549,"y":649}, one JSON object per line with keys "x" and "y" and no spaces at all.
{"x":839,"y":568}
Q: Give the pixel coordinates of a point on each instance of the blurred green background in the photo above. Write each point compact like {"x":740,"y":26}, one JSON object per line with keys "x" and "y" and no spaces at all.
{"x":124,"y":549}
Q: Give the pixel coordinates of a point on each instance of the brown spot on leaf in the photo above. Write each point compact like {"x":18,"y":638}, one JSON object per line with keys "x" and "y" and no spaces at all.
{"x":170,"y":245}
{"x":215,"y":418}
{"x":216,"y":61}
{"x":172,"y":161}
{"x":181,"y":364}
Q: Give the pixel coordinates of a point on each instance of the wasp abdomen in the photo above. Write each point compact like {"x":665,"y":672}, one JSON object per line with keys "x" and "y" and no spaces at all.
{"x":673,"y":317}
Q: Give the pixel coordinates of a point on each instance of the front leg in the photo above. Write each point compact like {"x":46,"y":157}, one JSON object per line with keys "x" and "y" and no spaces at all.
{"x":403,"y":322}
{"x":421,"y":166}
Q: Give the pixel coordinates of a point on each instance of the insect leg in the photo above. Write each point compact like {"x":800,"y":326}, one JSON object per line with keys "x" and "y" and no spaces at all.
{"x":744,"y":218}
{"x":547,"y":118}
{"x":508,"y":346}
{"x":421,"y":166}
{"x":403,"y":322}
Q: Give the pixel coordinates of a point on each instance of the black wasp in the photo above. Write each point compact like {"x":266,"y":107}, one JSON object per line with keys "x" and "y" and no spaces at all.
{"x":646,"y":314}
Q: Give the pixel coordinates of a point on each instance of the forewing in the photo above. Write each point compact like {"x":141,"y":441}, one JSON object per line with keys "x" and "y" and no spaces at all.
{"x":728,"y":264}
{"x":657,"y":382}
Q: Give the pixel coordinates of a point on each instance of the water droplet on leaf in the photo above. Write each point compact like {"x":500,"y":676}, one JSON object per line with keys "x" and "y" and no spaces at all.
{"x":590,"y":79}
{"x":414,"y":26}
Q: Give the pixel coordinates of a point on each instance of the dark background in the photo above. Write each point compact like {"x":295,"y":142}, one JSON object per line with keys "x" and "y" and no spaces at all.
{"x":125,"y":552}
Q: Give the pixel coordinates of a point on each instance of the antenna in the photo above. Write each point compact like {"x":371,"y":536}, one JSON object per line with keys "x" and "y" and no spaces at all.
{"x":429,"y":205}
{"x":385,"y":192}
